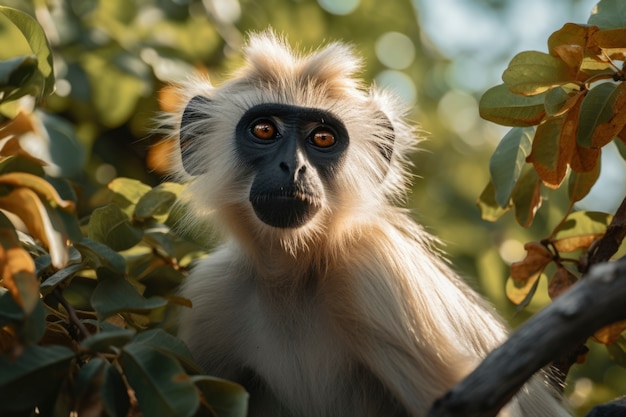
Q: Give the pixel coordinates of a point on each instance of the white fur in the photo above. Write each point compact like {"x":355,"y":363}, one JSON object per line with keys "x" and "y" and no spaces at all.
{"x":353,"y":314}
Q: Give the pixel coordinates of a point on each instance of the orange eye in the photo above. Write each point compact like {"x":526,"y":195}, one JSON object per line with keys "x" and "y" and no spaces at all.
{"x":323,"y":138}
{"x":264,"y":130}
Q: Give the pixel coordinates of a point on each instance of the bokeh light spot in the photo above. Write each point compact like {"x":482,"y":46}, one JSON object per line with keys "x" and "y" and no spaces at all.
{"x":395,"y":50}
{"x":339,"y":7}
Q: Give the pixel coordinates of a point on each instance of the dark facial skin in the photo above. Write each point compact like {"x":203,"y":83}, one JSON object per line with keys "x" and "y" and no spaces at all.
{"x":292,"y":152}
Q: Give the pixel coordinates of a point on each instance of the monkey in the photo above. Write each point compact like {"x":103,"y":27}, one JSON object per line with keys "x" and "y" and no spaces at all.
{"x":325,"y":297}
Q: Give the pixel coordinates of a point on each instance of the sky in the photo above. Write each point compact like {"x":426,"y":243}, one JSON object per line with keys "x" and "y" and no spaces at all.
{"x":476,"y":33}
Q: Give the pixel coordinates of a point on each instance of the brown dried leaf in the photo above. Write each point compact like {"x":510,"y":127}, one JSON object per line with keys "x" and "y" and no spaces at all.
{"x":18,"y":271}
{"x":555,"y":143}
{"x":572,"y":55}
{"x":570,"y":244}
{"x":526,"y":197}
{"x":561,"y":281}
{"x":26,"y":204}
{"x":611,"y":333}
{"x":548,"y":157}
{"x":537,"y":258}
{"x":573,"y":34}
{"x":613,"y":40}
{"x":606,"y":132}
{"x":585,"y":159}
{"x":39,"y":185}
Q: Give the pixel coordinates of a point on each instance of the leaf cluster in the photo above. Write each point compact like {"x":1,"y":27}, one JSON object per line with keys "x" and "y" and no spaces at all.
{"x":85,"y":301}
{"x":564,"y":107}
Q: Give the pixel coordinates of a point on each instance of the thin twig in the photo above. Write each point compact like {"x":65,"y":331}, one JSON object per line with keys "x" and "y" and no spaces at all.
{"x":74,"y":319}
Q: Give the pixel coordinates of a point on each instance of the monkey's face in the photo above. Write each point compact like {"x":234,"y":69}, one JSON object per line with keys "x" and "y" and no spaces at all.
{"x":292,"y":153}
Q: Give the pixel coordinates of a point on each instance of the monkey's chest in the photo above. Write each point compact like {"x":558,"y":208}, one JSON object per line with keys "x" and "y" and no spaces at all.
{"x":296,"y":353}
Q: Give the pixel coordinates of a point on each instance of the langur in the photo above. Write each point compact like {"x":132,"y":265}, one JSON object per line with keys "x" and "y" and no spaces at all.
{"x":326,"y":299}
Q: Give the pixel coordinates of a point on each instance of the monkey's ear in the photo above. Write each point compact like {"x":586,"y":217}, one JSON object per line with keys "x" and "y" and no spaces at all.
{"x":388,"y":137}
{"x":195,"y":111}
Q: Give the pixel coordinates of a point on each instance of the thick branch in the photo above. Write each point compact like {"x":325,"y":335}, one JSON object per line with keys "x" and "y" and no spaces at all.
{"x":589,"y":305}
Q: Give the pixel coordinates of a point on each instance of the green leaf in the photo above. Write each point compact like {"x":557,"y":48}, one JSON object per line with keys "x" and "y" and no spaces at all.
{"x":43,"y":80}
{"x":79,"y":292}
{"x":66,"y":152}
{"x":556,"y":98}
{"x":489,"y":208}
{"x":100,"y":385}
{"x":507,"y":162}
{"x":127,"y":192}
{"x":617,"y":351}
{"x":61,"y":276}
{"x":15,"y":72}
{"x":100,"y":255}
{"x":160,"y":383}
{"x":30,"y":327}
{"x":596,"y":109}
{"x":114,"y":393}
{"x":609,"y":14}
{"x":111,"y":226}
{"x":114,"y":294}
{"x":500,"y":105}
{"x":170,"y":345}
{"x":527,"y":197}
{"x":158,"y":201}
{"x":33,"y":376}
{"x":103,"y":341}
{"x":225,"y":398}
{"x":580,"y":184}
{"x":531,"y":72}
{"x":583,"y":223}
{"x":10,"y":312}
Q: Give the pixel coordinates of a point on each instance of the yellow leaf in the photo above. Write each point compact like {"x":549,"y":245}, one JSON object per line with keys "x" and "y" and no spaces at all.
{"x":517,"y":293}
{"x":26,"y":204}
{"x":572,"y":243}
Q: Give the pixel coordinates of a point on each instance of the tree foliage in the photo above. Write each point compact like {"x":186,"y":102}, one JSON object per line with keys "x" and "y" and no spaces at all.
{"x":86,"y":301}
{"x":564,"y":106}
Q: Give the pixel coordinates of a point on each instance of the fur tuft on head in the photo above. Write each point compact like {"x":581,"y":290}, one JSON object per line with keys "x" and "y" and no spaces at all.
{"x":324,"y":79}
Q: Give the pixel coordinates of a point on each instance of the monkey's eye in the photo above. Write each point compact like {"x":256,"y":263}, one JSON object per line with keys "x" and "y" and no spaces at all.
{"x":323,"y":138}
{"x":265,"y":130}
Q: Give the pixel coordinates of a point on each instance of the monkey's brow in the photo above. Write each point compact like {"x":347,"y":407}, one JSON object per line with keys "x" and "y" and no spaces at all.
{"x":286,"y":111}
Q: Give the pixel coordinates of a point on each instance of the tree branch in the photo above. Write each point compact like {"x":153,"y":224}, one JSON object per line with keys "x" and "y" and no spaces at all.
{"x":592,"y":303}
{"x":74,"y":319}
{"x":612,"y":239}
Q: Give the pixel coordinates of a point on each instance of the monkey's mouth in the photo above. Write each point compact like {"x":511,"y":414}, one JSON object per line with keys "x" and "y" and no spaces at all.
{"x":285,"y":208}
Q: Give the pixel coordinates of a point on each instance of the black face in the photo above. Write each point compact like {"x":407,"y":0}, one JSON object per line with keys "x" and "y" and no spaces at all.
{"x":292,"y":151}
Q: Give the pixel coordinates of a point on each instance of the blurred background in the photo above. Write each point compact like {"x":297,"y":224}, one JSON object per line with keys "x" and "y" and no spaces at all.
{"x":114,"y":59}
